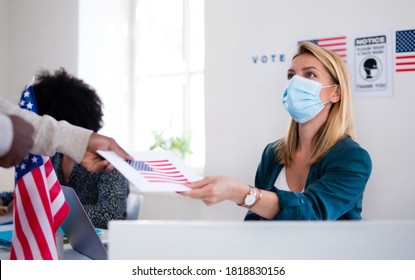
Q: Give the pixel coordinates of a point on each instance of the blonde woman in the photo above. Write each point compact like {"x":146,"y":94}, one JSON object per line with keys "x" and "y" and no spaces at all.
{"x":317,"y":172}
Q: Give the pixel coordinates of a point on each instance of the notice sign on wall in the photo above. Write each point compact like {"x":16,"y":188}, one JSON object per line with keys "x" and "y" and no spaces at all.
{"x":372,"y":66}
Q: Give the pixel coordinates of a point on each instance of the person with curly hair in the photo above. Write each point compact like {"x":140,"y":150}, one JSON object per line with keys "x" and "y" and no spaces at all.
{"x":65,"y":97}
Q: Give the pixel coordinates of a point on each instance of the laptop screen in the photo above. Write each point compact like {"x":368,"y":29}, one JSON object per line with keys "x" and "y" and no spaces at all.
{"x":79,"y":230}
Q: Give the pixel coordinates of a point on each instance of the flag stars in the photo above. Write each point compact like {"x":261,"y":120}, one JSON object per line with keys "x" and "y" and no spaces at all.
{"x":22,"y":166}
{"x":26,"y":94}
{"x":34,"y":159}
{"x":22,"y":103}
{"x":29,"y":106}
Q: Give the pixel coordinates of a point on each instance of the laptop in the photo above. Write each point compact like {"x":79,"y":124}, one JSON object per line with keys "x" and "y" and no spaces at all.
{"x":79,"y":230}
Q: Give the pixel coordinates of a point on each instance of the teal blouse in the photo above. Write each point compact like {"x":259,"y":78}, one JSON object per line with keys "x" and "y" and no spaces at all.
{"x":333,"y":190}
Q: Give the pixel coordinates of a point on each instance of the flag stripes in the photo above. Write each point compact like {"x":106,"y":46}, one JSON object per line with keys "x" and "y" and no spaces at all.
{"x":39,"y":203}
{"x":405,"y":51}
{"x":336,"y":44}
{"x":159,"y":171}
{"x":34,"y":220}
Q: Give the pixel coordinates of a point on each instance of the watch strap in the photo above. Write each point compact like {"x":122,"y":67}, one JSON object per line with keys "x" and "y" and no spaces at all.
{"x":258,"y":197}
{"x":252,"y":191}
{"x":243,"y":202}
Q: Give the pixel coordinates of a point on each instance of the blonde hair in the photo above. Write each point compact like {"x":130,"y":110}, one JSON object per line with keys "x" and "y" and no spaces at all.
{"x":340,"y":122}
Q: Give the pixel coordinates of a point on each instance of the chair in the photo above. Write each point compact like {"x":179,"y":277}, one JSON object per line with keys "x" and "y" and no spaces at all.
{"x":134,"y":201}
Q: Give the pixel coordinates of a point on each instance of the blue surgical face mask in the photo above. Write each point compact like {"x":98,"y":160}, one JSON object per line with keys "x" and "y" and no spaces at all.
{"x":301,"y":98}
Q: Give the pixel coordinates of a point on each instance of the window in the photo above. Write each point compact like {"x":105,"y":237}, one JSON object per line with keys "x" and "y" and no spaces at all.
{"x":146,"y":59}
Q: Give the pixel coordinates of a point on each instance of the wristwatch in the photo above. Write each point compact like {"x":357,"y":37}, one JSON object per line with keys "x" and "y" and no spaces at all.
{"x":251,"y":198}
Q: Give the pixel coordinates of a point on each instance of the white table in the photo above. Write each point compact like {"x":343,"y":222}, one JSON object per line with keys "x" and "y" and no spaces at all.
{"x":307,"y":240}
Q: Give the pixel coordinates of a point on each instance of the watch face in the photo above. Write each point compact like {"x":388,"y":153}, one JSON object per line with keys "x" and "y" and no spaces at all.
{"x":250,"y":199}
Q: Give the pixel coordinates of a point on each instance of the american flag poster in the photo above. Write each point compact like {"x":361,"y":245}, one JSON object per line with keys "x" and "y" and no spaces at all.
{"x":39,"y":203}
{"x":154,"y":171}
{"x":336,"y":44}
{"x":405,"y":51}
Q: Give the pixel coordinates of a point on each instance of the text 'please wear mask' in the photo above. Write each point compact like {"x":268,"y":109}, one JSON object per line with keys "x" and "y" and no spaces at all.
{"x":301,"y":98}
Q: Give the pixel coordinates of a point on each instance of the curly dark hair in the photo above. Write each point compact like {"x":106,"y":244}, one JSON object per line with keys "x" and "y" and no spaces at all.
{"x":68,"y":98}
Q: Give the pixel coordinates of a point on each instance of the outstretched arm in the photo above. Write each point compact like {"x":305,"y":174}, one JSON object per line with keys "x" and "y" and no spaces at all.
{"x":51,"y":136}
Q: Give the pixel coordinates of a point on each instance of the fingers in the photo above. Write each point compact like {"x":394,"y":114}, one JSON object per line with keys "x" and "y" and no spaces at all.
{"x":108,"y":168}
{"x":102,"y":165}
{"x":3,"y":210}
{"x":10,"y":207}
{"x":204,"y":190}
{"x":101,"y":142}
{"x":194,"y":193}
{"x":199,"y":184}
{"x":118,"y":150}
{"x":214,"y":189}
{"x":202,"y":194}
{"x":98,"y":166}
{"x":94,"y":162}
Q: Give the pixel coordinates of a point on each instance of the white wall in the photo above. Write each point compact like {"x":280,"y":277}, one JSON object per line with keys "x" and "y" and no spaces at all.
{"x":34,"y":35}
{"x":3,"y":46}
{"x":5,"y":174}
{"x":103,"y":32}
{"x":41,"y":34}
{"x":244,"y":111}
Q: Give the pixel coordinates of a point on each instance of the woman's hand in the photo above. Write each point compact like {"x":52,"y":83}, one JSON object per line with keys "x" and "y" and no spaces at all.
{"x":214,"y":189}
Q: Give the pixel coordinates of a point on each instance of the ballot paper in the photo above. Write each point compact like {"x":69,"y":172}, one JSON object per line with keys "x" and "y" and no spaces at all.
{"x":153,"y":171}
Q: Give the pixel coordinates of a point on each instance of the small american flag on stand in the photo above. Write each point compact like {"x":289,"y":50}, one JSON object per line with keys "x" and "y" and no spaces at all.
{"x":39,"y":203}
{"x":159,"y":171}
{"x":337,"y":45}
{"x":405,"y":51}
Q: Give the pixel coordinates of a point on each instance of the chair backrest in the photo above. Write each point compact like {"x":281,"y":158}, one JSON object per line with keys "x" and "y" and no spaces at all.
{"x":134,"y":201}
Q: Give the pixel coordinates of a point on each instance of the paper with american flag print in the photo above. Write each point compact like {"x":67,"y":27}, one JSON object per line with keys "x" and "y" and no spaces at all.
{"x":153,"y":171}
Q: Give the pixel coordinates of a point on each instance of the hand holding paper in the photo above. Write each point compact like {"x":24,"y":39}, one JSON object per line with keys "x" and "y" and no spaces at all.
{"x":156,"y":171}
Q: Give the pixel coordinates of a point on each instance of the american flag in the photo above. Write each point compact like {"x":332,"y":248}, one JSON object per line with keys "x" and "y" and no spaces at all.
{"x":337,"y":45}
{"x":405,"y":51}
{"x":159,"y":171}
{"x":39,"y":203}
